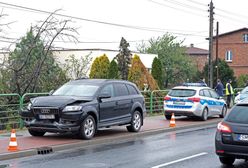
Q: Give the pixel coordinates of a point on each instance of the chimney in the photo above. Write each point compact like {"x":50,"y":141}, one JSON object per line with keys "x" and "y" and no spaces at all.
{"x":191,"y":45}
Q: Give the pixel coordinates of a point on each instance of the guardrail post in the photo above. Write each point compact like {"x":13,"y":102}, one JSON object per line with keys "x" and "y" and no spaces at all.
{"x":151,"y":102}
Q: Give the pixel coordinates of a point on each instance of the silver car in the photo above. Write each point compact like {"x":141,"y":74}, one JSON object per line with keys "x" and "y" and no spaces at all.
{"x":196,"y":101}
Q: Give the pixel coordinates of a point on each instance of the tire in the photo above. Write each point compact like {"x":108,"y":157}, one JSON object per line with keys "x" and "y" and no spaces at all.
{"x":168,"y":117}
{"x":136,"y":122}
{"x":36,"y":133}
{"x":223,"y":112}
{"x":204,"y":116}
{"x":227,"y":160}
{"x":88,"y":128}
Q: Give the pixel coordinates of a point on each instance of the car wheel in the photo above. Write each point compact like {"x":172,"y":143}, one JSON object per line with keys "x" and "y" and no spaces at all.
{"x":227,"y":160}
{"x":88,"y":128}
{"x":204,"y":116}
{"x":36,"y":133}
{"x":135,"y":123}
{"x":168,"y":117}
{"x":223,"y":112}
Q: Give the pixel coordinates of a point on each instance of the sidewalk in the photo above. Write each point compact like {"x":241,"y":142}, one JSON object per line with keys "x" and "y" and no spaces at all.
{"x":152,"y":125}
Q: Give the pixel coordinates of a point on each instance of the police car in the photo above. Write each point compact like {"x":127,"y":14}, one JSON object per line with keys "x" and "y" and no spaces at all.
{"x":194,"y":100}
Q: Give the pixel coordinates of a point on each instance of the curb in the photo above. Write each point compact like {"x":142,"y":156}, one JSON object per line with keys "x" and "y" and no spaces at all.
{"x":108,"y":140}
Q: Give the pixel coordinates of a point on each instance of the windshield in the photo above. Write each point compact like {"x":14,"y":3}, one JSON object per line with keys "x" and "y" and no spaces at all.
{"x":245,"y":91}
{"x":239,"y":114}
{"x":182,"y":93}
{"x":82,"y":90}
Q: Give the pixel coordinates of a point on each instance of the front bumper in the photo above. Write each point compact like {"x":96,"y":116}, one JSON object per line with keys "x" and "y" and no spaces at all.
{"x":54,"y":126}
{"x":63,"y":122}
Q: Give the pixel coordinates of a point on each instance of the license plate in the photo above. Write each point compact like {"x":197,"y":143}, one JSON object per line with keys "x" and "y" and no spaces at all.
{"x":179,"y":103}
{"x":47,"y":116}
{"x":243,"y":137}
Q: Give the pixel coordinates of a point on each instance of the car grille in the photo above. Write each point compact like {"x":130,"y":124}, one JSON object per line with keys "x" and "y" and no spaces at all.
{"x":45,"y":110}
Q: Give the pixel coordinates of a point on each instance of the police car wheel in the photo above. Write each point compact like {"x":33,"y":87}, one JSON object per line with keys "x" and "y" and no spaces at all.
{"x":204,"y":116}
{"x":223,"y":112}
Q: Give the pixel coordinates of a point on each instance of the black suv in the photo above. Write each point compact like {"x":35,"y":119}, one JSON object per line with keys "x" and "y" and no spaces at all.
{"x":82,"y":106}
{"x":231,"y":140}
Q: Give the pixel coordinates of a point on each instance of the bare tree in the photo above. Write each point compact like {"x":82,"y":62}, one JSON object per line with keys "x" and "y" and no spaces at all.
{"x":78,"y":68}
{"x":37,"y":44}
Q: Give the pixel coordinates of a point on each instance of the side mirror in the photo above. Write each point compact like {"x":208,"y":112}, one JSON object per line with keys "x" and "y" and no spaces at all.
{"x":51,"y":92}
{"x":104,"y":95}
{"x":237,"y":93}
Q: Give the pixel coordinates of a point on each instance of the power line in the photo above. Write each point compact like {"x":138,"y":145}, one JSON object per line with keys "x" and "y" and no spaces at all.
{"x":178,"y":9}
{"x":232,"y":13}
{"x":185,"y":5}
{"x":195,"y":2}
{"x":95,"y":21}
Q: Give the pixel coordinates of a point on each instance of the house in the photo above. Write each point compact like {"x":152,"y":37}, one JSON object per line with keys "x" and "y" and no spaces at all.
{"x":233,"y":48}
{"x":199,"y":56}
{"x":62,"y":55}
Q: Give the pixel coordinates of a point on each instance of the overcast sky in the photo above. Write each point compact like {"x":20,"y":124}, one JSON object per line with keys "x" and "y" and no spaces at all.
{"x":186,"y":19}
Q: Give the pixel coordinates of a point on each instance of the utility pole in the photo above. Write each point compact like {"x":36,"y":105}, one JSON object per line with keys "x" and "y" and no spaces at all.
{"x":210,"y":66}
{"x":216,"y":50}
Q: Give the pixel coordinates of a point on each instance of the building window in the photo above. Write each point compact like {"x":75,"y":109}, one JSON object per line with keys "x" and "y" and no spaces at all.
{"x":245,"y":38}
{"x":229,"y":56}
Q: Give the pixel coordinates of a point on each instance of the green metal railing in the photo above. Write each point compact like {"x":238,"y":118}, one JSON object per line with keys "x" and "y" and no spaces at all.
{"x":11,"y":104}
{"x":9,"y":111}
{"x":157,"y":100}
{"x":26,"y":97}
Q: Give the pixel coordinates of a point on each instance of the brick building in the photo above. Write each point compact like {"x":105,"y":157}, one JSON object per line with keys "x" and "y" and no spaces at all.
{"x":199,"y":56}
{"x":233,"y":48}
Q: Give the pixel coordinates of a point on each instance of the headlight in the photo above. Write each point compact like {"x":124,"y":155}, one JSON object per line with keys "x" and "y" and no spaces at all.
{"x":72,"y":108}
{"x":29,"y":106}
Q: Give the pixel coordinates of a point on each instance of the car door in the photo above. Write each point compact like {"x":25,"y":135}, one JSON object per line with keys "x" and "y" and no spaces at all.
{"x":209,"y":101}
{"x":123,"y":101}
{"x":218,"y":105}
{"x":107,"y":106}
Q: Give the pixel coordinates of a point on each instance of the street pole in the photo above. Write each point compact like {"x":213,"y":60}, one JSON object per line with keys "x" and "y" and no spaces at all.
{"x":217,"y":46}
{"x":210,"y":66}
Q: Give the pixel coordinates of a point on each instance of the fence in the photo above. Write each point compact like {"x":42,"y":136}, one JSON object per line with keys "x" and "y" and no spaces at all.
{"x":10,"y":105}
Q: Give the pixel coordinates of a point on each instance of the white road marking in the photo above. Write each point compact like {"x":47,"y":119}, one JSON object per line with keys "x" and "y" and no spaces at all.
{"x":180,"y":160}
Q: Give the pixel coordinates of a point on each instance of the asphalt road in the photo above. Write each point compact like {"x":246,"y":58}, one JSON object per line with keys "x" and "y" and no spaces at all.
{"x":182,"y":149}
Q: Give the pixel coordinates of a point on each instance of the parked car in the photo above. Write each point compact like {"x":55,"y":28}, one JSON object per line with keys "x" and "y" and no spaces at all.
{"x":85,"y":105}
{"x":231,"y":140}
{"x":243,"y":94}
{"x":194,"y":100}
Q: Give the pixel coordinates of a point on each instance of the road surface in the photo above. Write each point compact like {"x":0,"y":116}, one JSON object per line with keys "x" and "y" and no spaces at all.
{"x":182,"y":149}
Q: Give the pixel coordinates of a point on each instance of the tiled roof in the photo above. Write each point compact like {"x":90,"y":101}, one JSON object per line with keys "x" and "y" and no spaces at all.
{"x":196,"y":51}
{"x":231,"y":32}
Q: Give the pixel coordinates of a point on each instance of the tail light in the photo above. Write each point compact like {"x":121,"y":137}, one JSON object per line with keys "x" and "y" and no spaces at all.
{"x":166,"y":98}
{"x":194,"y":99}
{"x":222,"y":127}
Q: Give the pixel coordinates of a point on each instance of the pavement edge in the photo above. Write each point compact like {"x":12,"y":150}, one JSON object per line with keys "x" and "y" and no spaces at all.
{"x":108,"y":140}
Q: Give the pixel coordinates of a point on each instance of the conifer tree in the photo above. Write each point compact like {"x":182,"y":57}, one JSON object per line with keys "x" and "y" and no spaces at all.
{"x":157,"y":71}
{"x":113,"y":70}
{"x":139,"y":75}
{"x":100,"y":67}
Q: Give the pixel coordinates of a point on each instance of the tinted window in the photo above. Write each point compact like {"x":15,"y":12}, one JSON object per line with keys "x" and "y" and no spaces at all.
{"x":206,"y":93}
{"x":132,"y":90}
{"x":108,"y":89}
{"x":182,"y":92}
{"x":121,"y":89}
{"x":239,"y":114}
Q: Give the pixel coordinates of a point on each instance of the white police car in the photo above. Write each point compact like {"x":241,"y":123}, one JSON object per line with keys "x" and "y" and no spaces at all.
{"x":194,"y":100}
